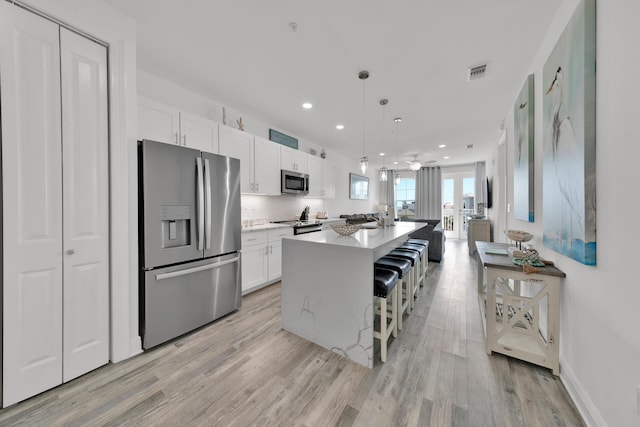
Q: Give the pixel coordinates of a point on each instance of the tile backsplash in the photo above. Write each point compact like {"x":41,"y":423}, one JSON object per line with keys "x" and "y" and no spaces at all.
{"x":258,"y":209}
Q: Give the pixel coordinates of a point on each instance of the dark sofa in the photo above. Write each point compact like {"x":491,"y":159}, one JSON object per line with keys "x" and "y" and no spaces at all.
{"x":360,"y":218}
{"x":432,"y":232}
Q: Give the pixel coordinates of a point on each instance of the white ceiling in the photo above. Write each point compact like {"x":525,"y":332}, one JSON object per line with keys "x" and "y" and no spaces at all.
{"x":243,"y":54}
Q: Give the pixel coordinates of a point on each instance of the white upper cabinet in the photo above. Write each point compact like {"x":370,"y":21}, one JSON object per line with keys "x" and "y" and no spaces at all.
{"x":328,"y":180}
{"x":237,"y":144}
{"x":199,"y":133}
{"x":266,"y":176}
{"x":321,"y":182}
{"x":293,"y":160}
{"x":163,"y":123}
{"x":158,"y":122}
{"x":314,"y":168}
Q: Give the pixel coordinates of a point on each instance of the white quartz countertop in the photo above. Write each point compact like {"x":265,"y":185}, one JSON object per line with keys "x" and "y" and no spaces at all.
{"x":364,"y":238}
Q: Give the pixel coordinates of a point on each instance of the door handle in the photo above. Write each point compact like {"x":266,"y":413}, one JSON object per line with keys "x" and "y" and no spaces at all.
{"x":200,"y":180}
{"x":184,"y":138}
{"x":207,"y":203}
{"x":196,"y":269}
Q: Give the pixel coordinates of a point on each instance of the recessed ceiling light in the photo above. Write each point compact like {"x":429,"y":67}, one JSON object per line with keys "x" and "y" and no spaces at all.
{"x":395,"y":163}
{"x":442,"y":145}
{"x":382,"y":154}
{"x":307,"y":105}
{"x":339,"y":127}
{"x":446,"y":157}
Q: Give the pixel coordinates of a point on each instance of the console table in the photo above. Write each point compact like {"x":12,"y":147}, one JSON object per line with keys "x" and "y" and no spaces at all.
{"x":521,"y":312}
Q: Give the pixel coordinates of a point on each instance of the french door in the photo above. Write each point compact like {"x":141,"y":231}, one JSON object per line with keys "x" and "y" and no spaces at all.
{"x":55,"y":278}
{"x":458,"y":201}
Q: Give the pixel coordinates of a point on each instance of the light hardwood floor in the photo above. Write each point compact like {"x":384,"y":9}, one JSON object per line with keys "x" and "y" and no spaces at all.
{"x":244,"y":370}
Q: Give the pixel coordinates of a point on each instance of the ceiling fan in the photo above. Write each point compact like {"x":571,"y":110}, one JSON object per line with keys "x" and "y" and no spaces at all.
{"x":416,"y":164}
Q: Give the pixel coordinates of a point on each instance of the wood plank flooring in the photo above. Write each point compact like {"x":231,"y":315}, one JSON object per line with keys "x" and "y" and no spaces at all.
{"x":244,"y":370}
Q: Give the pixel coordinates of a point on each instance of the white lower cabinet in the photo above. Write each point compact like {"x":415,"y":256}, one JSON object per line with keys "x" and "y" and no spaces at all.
{"x":262,"y":257}
{"x":254,"y":267}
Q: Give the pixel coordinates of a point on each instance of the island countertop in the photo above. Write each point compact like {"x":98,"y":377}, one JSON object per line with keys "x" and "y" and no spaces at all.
{"x":376,"y":239}
{"x":327,"y":286}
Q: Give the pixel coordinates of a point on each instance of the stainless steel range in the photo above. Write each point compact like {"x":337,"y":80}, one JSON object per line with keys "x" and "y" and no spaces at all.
{"x":302,"y":227}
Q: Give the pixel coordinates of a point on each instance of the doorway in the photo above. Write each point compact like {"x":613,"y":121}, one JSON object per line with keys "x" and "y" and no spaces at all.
{"x":458,"y":201}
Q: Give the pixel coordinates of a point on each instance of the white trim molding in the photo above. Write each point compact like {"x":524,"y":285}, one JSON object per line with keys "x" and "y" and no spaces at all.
{"x":580,"y":397}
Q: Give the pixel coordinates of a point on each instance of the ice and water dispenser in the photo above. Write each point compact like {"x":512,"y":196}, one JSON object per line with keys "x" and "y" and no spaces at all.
{"x":176,"y":223}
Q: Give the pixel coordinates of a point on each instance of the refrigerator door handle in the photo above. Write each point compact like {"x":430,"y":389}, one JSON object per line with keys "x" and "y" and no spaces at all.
{"x":199,"y":180}
{"x":207,"y":202}
{"x":196,"y":269}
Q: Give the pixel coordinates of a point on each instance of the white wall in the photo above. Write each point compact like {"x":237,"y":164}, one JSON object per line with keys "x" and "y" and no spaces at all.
{"x":266,"y":207}
{"x":600,"y":329}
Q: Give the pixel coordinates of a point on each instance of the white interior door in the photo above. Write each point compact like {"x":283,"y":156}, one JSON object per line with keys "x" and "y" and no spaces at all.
{"x":85,"y":204}
{"x":458,"y":200}
{"x":32,"y":204}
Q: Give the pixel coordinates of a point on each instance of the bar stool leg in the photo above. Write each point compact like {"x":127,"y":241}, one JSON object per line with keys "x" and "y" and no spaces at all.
{"x":394,"y":309}
{"x":383,"y":329}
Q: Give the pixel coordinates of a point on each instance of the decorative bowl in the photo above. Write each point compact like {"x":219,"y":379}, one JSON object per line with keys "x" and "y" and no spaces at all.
{"x":345,"y":229}
{"x":519,"y":236}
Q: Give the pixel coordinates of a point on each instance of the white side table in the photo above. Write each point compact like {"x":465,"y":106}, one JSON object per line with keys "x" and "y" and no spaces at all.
{"x":521,"y":311}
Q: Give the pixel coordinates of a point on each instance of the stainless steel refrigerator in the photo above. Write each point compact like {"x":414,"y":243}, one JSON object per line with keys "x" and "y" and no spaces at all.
{"x":189,"y":226}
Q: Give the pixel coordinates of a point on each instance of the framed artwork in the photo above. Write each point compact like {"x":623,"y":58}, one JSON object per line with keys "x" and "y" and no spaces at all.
{"x":569,"y":152}
{"x":283,"y":139}
{"x":523,"y":157}
{"x":358,"y":187}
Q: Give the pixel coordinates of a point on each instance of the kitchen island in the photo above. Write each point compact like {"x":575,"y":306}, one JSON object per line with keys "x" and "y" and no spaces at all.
{"x":327,"y":286}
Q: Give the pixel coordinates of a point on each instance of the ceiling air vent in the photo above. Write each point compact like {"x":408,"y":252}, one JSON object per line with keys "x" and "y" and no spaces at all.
{"x":477,"y":72}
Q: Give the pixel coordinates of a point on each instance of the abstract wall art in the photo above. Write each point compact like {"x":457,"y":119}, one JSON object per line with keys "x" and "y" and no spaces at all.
{"x":523,"y":160}
{"x":569,"y":152}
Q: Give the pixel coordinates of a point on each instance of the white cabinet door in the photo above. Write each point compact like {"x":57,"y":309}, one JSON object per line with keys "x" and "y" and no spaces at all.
{"x":158,"y":122}
{"x":254,"y":266}
{"x":237,"y":144}
{"x":199,"y":133}
{"x":275,"y":260}
{"x":314,"y":168}
{"x":85,"y":205}
{"x":32,"y":199}
{"x":293,"y":160}
{"x":266,"y":161}
{"x":328,"y":181}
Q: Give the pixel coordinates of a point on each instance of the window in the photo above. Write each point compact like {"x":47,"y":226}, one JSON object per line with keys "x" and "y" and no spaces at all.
{"x":406,"y":198}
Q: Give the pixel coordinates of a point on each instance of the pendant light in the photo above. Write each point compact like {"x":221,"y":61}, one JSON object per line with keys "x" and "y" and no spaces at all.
{"x":364,"y":160}
{"x":397,"y":120}
{"x":383,"y":170}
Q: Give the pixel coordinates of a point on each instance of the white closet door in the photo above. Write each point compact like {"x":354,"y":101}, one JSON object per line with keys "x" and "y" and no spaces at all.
{"x":32,"y":204}
{"x":85,"y":204}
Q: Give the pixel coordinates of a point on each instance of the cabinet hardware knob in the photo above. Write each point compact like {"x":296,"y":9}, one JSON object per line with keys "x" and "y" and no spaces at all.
{"x":70,"y":252}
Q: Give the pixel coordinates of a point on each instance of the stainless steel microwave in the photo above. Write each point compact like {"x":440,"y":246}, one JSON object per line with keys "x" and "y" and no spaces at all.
{"x":294,"y":182}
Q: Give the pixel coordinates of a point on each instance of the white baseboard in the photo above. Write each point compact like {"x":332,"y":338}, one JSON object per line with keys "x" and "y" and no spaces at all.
{"x":580,"y":398}
{"x":135,"y":346}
